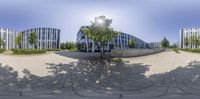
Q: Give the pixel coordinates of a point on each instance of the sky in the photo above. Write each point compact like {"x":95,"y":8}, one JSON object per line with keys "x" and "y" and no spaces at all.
{"x":150,"y":20}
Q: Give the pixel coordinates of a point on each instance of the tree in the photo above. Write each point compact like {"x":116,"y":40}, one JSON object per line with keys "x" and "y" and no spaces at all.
{"x":198,"y":42}
{"x":195,"y":41}
{"x":62,"y":45}
{"x":101,"y":32}
{"x":186,"y":41}
{"x":165,"y":43}
{"x":68,"y":45}
{"x":32,"y":39}
{"x":18,"y":40}
{"x":2,"y":43}
{"x":173,"y":46}
{"x":131,"y":43}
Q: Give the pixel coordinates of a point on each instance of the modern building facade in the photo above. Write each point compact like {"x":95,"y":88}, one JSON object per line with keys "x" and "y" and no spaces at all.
{"x":120,"y":42}
{"x":8,"y":37}
{"x":154,"y":45}
{"x":186,"y":36}
{"x":47,"y":38}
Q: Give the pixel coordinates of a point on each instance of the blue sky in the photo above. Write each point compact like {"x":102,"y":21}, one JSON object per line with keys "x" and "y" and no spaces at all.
{"x":149,"y":20}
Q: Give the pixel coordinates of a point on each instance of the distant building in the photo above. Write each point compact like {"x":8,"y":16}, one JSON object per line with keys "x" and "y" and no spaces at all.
{"x":188,"y":33}
{"x":154,"y":45}
{"x":120,"y":42}
{"x":178,"y":44}
{"x":47,"y":38}
{"x":8,"y":36}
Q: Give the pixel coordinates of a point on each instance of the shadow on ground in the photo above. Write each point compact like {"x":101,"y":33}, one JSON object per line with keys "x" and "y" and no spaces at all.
{"x":83,"y":55}
{"x":105,"y":78}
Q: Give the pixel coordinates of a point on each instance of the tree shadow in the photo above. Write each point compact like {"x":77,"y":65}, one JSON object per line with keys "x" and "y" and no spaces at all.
{"x":112,"y":78}
{"x":30,"y":84}
{"x":83,"y":55}
{"x":8,"y":80}
{"x":108,"y":78}
{"x":105,"y":78}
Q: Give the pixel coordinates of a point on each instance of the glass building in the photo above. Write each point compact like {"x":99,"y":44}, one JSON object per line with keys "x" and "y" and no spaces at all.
{"x":154,"y":45}
{"x":189,"y":33}
{"x":8,"y":37}
{"x":47,"y":38}
{"x":120,"y":42}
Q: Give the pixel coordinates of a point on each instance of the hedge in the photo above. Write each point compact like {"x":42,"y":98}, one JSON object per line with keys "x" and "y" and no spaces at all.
{"x":53,"y":49}
{"x":2,"y":50}
{"x":175,"y":50}
{"x":191,"y":50}
{"x":28,"y":51}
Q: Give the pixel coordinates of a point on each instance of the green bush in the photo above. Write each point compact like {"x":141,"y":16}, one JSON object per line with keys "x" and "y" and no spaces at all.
{"x":28,"y":51}
{"x":191,"y":50}
{"x":53,"y":49}
{"x":2,"y":50}
{"x":68,"y":45}
{"x":175,"y":50}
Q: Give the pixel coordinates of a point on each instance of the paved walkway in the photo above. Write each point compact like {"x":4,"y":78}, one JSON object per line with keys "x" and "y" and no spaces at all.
{"x":36,"y":64}
{"x":164,"y":75}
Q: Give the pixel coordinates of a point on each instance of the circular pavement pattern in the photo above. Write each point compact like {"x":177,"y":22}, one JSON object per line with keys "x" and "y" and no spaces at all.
{"x":104,"y":78}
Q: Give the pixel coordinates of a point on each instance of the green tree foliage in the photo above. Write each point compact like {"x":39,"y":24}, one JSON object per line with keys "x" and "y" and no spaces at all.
{"x":198,"y":42}
{"x":68,"y":45}
{"x":33,"y":39}
{"x":62,"y":45}
{"x":2,"y":43}
{"x":186,"y":41}
{"x":131,"y":43}
{"x":18,"y":40}
{"x":100,"y":31}
{"x":192,"y":40}
{"x":165,"y":43}
{"x":2,"y":50}
{"x":173,"y":46}
{"x":195,"y":41}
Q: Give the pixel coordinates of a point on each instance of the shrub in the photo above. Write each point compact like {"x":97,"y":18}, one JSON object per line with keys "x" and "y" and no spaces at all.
{"x":53,"y":50}
{"x":68,"y":45}
{"x":191,"y":50}
{"x":2,"y":50}
{"x":28,"y":51}
{"x":175,"y":50}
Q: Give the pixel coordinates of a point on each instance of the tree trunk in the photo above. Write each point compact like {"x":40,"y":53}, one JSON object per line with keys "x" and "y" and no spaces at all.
{"x":93,"y":46}
{"x":18,"y":46}
{"x":103,"y":49}
{"x":108,"y":47}
{"x":196,"y":45}
{"x":33,"y":46}
{"x":100,"y":49}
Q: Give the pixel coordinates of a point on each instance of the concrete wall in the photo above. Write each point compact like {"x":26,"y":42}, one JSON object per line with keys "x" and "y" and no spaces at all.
{"x":133,"y":52}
